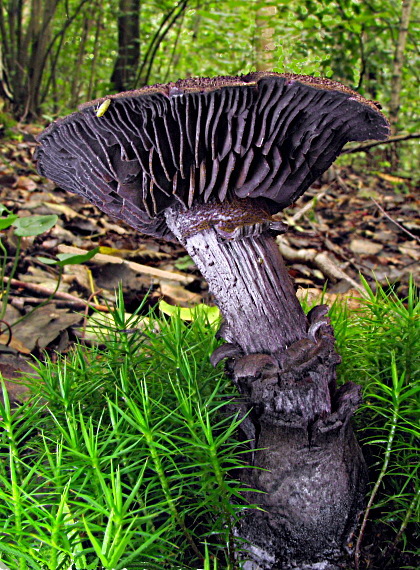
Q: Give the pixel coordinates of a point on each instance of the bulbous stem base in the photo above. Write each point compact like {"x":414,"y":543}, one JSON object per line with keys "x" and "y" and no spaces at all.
{"x":309,"y":467}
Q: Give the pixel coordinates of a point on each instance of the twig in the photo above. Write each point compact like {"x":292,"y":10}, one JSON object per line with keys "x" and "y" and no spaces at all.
{"x":307,"y":206}
{"x":394,"y":222}
{"x":57,"y":295}
{"x":367,"y":146}
{"x":85,"y":318}
{"x":321,"y":260}
{"x":19,"y":303}
{"x":9,"y":330}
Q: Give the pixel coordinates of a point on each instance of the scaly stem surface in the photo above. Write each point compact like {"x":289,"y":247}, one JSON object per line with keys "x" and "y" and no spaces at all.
{"x":246,"y":275}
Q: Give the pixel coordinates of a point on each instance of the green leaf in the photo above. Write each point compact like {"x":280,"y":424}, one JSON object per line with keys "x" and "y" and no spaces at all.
{"x":7,"y":222}
{"x":3,"y":209}
{"x":34,"y":225}
{"x":70,"y":258}
{"x":184,"y":262}
{"x":211,"y":313}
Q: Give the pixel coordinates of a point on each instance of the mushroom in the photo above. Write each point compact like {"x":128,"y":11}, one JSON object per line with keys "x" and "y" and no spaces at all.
{"x":209,"y":162}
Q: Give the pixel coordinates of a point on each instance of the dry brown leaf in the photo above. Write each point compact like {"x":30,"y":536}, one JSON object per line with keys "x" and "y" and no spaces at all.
{"x":314,"y":296}
{"x":411,"y":249}
{"x":391,"y":178}
{"x":25,"y":183}
{"x":365,"y":247}
{"x":44,"y":325}
{"x":177,"y":295}
{"x":14,"y":343}
{"x":63,"y":209}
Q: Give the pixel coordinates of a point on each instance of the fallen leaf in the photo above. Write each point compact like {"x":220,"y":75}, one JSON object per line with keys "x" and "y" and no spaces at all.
{"x":36,"y":275}
{"x":365,"y":247}
{"x":178,"y":295}
{"x":25,"y":183}
{"x":211,"y":313}
{"x":391,"y":178}
{"x":12,"y":369}
{"x":63,"y":209}
{"x":101,"y":326}
{"x":14,"y":343}
{"x":44,"y":325}
{"x":411,"y":249}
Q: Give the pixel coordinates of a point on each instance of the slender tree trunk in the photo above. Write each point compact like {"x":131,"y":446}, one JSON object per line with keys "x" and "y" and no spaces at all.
{"x":398,"y":64}
{"x":264,"y":41}
{"x":98,"y":29}
{"x":396,"y":79}
{"x":125,"y":69}
{"x":76,"y":81}
{"x":167,"y":23}
{"x":38,"y":38}
{"x":5,"y":92}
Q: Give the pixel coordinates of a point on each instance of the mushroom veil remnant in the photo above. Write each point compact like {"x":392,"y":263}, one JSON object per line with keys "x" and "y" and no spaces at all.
{"x":208,"y":161}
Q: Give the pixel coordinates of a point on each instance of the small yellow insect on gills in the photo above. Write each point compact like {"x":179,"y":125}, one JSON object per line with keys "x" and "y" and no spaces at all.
{"x":103,"y":107}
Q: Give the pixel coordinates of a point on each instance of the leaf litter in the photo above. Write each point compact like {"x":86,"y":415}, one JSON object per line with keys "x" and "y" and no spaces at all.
{"x":349,"y":221}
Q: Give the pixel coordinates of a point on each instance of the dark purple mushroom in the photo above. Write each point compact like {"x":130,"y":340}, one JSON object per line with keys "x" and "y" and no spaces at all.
{"x":209,"y":161}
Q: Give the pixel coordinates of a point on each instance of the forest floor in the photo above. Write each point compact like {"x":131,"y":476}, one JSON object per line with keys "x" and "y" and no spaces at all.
{"x":356,"y":219}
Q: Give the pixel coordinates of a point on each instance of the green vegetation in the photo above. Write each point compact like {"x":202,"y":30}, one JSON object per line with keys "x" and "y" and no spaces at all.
{"x":23,"y":227}
{"x":127,"y":451}
{"x":125,"y":44}
{"x":380,"y":347}
{"x":123,"y":454}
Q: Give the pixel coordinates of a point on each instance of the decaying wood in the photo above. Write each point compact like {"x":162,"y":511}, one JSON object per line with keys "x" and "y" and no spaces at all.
{"x":45,"y":292}
{"x":76,"y":304}
{"x":321,"y":259}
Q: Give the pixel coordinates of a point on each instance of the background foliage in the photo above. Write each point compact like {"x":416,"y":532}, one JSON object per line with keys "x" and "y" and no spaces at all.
{"x":56,"y":54}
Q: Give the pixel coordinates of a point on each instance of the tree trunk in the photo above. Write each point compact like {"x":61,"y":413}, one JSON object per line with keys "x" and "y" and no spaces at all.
{"x":125,"y":69}
{"x":308,"y":464}
{"x":396,"y":79}
{"x":264,"y":41}
{"x":394,"y":105}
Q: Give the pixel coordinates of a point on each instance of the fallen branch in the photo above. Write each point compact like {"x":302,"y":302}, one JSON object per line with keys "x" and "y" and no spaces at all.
{"x":367,"y":146}
{"x":138,"y":267}
{"x":325,"y":264}
{"x":45,"y":292}
{"x":20,"y":302}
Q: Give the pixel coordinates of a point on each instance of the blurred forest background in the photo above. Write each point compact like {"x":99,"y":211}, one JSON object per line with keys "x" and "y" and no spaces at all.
{"x":56,"y":54}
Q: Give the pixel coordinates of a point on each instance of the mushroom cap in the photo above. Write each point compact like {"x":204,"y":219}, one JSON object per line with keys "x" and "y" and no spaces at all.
{"x":263,"y":135}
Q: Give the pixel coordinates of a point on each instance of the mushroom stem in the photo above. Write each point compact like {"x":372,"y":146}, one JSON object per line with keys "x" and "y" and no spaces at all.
{"x":245,"y":271}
